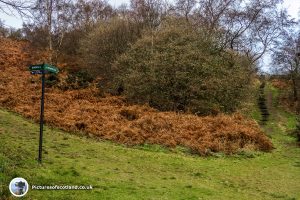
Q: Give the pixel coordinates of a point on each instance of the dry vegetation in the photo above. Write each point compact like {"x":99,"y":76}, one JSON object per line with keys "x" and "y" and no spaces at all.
{"x":111,"y":118}
{"x":286,"y":97}
{"x":280,"y":84}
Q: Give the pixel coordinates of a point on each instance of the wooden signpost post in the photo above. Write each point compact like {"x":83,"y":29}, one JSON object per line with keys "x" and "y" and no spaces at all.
{"x":42,"y":69}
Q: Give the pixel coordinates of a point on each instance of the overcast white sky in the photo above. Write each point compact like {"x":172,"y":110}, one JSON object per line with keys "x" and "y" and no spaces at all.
{"x":293,"y":7}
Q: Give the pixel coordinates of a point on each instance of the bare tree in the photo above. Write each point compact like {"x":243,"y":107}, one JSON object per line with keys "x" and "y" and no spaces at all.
{"x":42,"y":13}
{"x":49,"y":10}
{"x":20,"y":6}
{"x":3,"y":30}
{"x":286,"y":61}
{"x":211,"y":12}
{"x":86,"y":14}
{"x":149,"y":13}
{"x":185,"y":7}
{"x":249,"y":27}
{"x":266,"y":30}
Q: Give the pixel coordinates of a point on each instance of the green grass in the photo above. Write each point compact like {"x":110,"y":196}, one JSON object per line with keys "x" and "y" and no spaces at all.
{"x":146,"y":172}
{"x":275,"y":93}
{"x":285,"y":120}
{"x":249,"y":106}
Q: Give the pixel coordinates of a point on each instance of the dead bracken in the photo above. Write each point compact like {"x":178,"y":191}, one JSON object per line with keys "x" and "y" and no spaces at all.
{"x":111,"y":118}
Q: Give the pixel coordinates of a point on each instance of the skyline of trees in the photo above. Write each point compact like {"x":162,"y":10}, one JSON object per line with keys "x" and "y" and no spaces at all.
{"x":109,"y":43}
{"x":248,"y":27}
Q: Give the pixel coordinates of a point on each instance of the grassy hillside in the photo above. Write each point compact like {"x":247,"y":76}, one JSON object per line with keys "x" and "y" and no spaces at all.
{"x":147,"y":172}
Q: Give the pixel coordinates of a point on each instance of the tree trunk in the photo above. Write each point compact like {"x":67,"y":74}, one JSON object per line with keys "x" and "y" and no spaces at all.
{"x":49,"y":20}
{"x":295,"y":92}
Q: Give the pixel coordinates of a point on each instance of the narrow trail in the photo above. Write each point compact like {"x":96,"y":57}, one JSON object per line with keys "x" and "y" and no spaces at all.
{"x":262,"y":103}
{"x":271,"y":105}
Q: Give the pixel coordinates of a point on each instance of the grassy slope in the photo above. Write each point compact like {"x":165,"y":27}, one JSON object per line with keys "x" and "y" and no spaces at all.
{"x":118,"y":172}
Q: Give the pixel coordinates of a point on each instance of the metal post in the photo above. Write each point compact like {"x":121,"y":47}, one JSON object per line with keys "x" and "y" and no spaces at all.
{"x":42,"y":116}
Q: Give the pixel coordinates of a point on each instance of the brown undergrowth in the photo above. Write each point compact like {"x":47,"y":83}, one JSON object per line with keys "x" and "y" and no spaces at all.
{"x":286,"y":95}
{"x":111,"y":118}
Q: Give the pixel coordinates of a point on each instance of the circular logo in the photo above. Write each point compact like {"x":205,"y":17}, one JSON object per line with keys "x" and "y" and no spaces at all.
{"x":18,"y":187}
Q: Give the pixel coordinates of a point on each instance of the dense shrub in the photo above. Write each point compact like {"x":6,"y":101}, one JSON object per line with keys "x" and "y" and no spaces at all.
{"x":180,"y":68}
{"x":51,"y":80}
{"x":37,"y":35}
{"x":79,"y":80}
{"x":107,"y":41}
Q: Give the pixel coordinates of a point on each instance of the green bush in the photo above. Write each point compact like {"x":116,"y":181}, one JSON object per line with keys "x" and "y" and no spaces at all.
{"x":104,"y":43}
{"x":179,"y":68}
{"x":78,"y":80}
{"x":51,"y":80}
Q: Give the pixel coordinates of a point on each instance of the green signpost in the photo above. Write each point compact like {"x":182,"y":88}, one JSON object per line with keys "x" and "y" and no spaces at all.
{"x":51,"y":69}
{"x":35,"y":67}
{"x":46,"y":67}
{"x":42,"y":69}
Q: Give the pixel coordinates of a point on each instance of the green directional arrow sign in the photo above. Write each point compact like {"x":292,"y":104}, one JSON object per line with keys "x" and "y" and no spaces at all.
{"x":36,"y":67}
{"x":46,"y":67}
{"x":51,"y":68}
